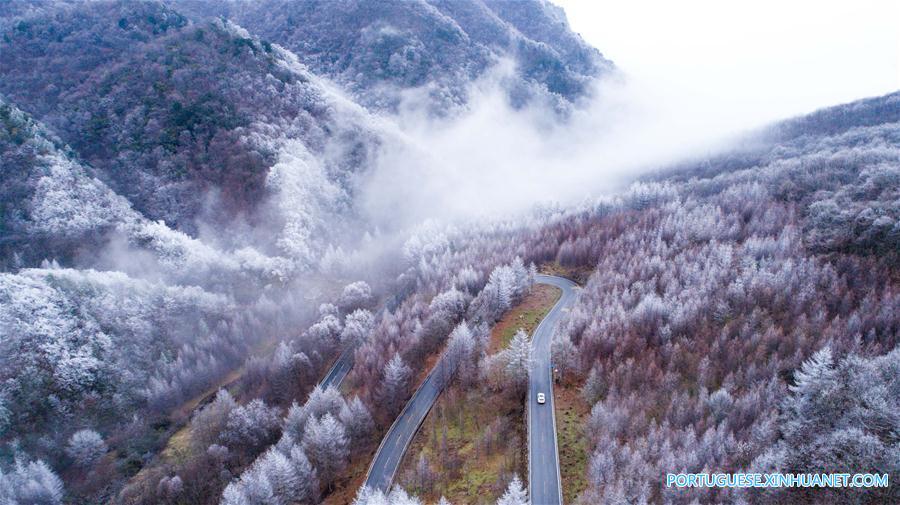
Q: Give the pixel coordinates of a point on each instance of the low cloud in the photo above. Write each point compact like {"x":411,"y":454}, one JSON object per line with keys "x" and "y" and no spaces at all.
{"x":492,"y":160}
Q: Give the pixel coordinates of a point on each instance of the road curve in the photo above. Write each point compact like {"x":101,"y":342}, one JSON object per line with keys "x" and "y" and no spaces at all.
{"x":544,"y":486}
{"x":389,"y":454}
{"x":542,"y":453}
{"x":339,"y":369}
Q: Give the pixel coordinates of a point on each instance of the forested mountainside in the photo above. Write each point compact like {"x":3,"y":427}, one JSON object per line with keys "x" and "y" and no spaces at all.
{"x":104,"y":350}
{"x":746,"y":318}
{"x":379,"y":50}
{"x":711,"y":334}
{"x":838,"y":165}
{"x":138,"y":92}
{"x":51,"y":205}
{"x":177,"y":188}
{"x":715,"y":331}
{"x":165,"y":183}
{"x":741,"y":314}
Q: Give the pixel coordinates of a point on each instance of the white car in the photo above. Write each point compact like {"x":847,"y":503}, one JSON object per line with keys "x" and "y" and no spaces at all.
{"x":541,"y":398}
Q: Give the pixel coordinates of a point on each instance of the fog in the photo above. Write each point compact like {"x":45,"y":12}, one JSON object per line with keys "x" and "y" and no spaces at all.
{"x":755,"y":61}
{"x":691,"y":76}
{"x":494,"y":161}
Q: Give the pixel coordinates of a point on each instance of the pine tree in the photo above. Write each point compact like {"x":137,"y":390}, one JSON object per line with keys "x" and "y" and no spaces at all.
{"x":308,"y":489}
{"x":460,"y":353}
{"x":321,"y":401}
{"x":282,"y":476}
{"x":815,"y":377}
{"x":30,"y":483}
{"x":518,"y":360}
{"x":395,"y":385}
{"x":357,"y":420}
{"x":515,"y":494}
{"x":326,"y":444}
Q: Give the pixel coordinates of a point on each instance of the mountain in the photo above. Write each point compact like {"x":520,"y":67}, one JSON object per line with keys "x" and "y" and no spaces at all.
{"x":136,"y":90}
{"x":271,"y":156}
{"x":178,"y":180}
{"x":382,"y":50}
{"x":49,"y":202}
{"x":837,"y":164}
{"x":749,"y":300}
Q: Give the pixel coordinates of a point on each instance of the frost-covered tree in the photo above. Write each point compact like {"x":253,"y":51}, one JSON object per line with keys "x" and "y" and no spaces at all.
{"x":210,"y":421}
{"x":515,"y":493}
{"x":327,"y":328}
{"x":720,"y":403}
{"x":467,"y":280}
{"x":288,"y":370}
{"x":355,"y":296}
{"x":274,"y":478}
{"x":357,"y":420}
{"x":506,"y":285}
{"x":395,"y":383}
{"x":565,"y":355}
{"x":450,"y":305}
{"x":85,"y":447}
{"x":460,"y":357}
{"x":517,"y":360}
{"x":251,"y":425}
{"x":328,"y":309}
{"x":31,"y":483}
{"x":357,"y":326}
{"x":307,"y":490}
{"x":325,"y":442}
{"x":321,"y":401}
{"x":444,"y":311}
{"x":397,"y":496}
{"x":283,"y":477}
{"x":840,"y":418}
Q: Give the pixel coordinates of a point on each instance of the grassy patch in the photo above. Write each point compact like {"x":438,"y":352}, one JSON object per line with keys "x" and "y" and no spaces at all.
{"x":472,"y":442}
{"x":571,"y":412}
{"x":526,"y":315}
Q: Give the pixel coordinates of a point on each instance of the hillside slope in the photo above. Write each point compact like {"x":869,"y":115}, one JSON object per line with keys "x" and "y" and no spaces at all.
{"x":138,"y":93}
{"x":381,"y":50}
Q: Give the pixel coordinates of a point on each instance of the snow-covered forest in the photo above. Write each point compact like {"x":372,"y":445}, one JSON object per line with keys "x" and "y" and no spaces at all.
{"x":187,"y":247}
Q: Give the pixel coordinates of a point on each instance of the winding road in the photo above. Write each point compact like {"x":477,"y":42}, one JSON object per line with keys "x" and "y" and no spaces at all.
{"x":339,"y":369}
{"x":543,"y":459}
{"x":390,"y":453}
{"x":544,"y":486}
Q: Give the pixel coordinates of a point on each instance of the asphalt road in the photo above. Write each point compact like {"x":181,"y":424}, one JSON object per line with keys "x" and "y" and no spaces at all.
{"x":544,"y":485}
{"x":387,"y":459}
{"x":339,"y":369}
{"x":344,"y":363}
{"x":543,"y":458}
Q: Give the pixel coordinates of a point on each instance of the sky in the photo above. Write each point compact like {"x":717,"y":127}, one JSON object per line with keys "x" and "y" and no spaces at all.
{"x":749,"y":62}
